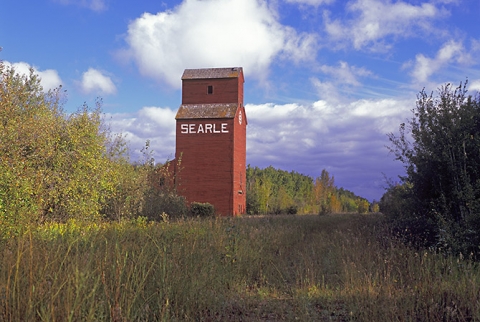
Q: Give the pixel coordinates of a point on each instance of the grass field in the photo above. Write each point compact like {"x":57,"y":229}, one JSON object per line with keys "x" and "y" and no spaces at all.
{"x":290,"y":268}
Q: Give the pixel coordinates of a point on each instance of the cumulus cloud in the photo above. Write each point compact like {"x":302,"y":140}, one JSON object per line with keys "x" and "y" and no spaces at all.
{"x":49,"y":77}
{"x":303,"y":127}
{"x":156,"y":124}
{"x":213,"y":33}
{"x":346,"y":139}
{"x":375,"y":20}
{"x":474,"y":85}
{"x":94,"y":5}
{"x":94,"y":81}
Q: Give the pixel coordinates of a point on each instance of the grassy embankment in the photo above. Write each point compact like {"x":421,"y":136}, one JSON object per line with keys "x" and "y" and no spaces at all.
{"x":298,"y":268}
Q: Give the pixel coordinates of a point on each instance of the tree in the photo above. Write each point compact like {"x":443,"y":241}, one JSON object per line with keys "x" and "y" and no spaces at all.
{"x":324,"y":189}
{"x":53,"y":166}
{"x":276,"y":191}
{"x":263,"y":186}
{"x":442,"y":165}
{"x":362,"y":206}
{"x":271,"y":190}
{"x":21,"y":141}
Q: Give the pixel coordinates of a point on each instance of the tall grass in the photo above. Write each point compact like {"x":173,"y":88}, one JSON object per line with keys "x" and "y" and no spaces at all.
{"x":305,"y":268}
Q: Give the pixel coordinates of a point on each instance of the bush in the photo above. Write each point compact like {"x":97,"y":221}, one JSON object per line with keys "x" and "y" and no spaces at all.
{"x":363,"y":206}
{"x":157,"y":203}
{"x":292,"y":210}
{"x":202,"y":210}
{"x":54,"y":166}
{"x":253,"y":202}
{"x":441,"y":202}
{"x":324,"y":210}
{"x":161,"y":193}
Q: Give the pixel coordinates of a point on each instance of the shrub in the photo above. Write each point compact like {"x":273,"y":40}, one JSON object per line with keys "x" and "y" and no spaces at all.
{"x":292,"y":210}
{"x":157,"y":203}
{"x":363,"y":206}
{"x":442,"y":169}
{"x":324,"y":210}
{"x":161,"y":194}
{"x":202,"y":210}
{"x":54,"y":166}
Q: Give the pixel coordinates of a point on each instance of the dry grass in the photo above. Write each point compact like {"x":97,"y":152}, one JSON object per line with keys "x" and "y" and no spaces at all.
{"x":296,"y":268}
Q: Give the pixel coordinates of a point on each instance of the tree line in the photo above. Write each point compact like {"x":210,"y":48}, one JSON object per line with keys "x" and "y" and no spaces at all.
{"x":274,"y":191}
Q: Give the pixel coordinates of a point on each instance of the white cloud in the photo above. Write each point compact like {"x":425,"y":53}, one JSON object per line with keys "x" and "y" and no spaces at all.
{"x":94,"y":81}
{"x":49,"y":77}
{"x":342,"y":138}
{"x":341,"y":80}
{"x":213,"y":33}
{"x":94,"y":5}
{"x":476,"y":45}
{"x":474,"y":85}
{"x":322,"y":121}
{"x":306,"y":138}
{"x":450,"y":53}
{"x":315,"y":3}
{"x":156,"y":124}
{"x":345,"y":73}
{"x":376,"y":20}
{"x":328,"y":91}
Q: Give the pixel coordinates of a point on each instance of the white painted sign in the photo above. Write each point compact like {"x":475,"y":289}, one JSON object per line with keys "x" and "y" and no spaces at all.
{"x":203,"y":128}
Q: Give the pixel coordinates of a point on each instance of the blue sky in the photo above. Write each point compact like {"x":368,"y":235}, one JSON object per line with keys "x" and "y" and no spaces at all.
{"x":326,"y":80}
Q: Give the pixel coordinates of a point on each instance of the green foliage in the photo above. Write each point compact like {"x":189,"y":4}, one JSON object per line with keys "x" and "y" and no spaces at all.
{"x":347,"y":200}
{"x":324,"y":192}
{"x":145,"y":189}
{"x":292,"y":210}
{"x":276,"y":191}
{"x":202,"y":210}
{"x":442,"y":167}
{"x":253,"y":201}
{"x":273,"y":191}
{"x":405,"y":222}
{"x":127,"y":199}
{"x":55,"y":167}
{"x":20,"y":100}
{"x":80,"y":171}
{"x":157,"y":202}
{"x":363,"y":206}
{"x":375,"y":207}
{"x":160,"y":192}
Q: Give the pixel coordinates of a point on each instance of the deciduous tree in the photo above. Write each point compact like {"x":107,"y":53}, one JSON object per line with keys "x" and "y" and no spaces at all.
{"x":440,"y":148}
{"x":53,"y":166}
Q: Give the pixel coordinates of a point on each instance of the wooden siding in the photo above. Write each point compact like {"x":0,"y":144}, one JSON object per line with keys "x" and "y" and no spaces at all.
{"x":195,"y":91}
{"x":239,"y":162}
{"x":205,"y":173}
{"x":210,"y":140}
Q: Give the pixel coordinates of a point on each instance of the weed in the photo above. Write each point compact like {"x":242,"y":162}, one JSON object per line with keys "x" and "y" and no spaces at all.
{"x":306,"y":268}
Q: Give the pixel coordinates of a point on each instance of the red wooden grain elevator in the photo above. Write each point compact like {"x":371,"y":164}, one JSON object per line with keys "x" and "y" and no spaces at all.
{"x":211,"y":139}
